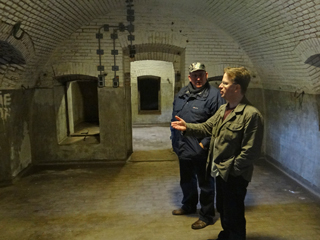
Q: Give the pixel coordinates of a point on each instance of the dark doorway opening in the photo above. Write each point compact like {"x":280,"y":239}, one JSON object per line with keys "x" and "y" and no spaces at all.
{"x":149,"y":95}
{"x":82,"y":105}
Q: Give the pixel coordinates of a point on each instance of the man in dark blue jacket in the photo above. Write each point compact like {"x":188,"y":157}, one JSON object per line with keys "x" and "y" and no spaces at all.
{"x":195,"y":103}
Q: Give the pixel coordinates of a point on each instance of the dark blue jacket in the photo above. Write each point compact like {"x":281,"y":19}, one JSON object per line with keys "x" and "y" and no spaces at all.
{"x":193,"y":108}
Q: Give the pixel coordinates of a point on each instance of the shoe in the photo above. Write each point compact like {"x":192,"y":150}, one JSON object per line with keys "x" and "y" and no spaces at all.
{"x":199,"y":224}
{"x":181,"y":211}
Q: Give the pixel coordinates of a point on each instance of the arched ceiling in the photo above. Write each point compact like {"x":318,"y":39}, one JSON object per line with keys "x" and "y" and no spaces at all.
{"x":277,"y":35}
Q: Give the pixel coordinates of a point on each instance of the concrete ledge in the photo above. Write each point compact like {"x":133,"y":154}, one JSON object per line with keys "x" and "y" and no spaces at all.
{"x":5,"y":183}
{"x":167,"y":124}
{"x":60,"y":166}
{"x":78,"y":164}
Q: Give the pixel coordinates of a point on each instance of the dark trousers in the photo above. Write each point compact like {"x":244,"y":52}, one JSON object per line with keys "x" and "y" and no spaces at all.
{"x":192,"y":173}
{"x":230,"y":205}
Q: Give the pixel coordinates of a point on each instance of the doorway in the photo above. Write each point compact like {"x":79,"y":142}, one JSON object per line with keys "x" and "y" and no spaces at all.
{"x":149,"y":95}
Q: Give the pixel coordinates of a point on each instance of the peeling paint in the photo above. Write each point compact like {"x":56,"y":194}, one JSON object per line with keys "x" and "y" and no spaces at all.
{"x":22,"y":153}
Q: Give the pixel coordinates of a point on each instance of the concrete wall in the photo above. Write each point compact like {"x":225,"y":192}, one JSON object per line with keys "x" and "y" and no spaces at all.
{"x":15,"y":139}
{"x":293,"y":136}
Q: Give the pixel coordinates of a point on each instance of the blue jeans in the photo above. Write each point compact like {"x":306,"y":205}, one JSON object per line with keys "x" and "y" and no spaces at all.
{"x":192,"y":173}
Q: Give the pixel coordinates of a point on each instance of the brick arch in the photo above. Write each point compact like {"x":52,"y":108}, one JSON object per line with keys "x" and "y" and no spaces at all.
{"x":155,"y":51}
{"x":69,"y":68}
{"x":75,"y":77}
{"x":308,"y":51}
{"x":161,"y":38}
{"x":23,"y":48}
{"x":166,"y":46}
{"x":163,"y":46}
{"x":16,"y":57}
{"x":10,"y":55}
{"x":307,"y":48}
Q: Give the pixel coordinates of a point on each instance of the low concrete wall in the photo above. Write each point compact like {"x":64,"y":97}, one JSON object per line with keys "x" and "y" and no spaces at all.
{"x":113,"y":130}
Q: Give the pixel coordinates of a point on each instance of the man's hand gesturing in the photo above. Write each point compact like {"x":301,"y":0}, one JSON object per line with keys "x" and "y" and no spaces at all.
{"x":179,"y":125}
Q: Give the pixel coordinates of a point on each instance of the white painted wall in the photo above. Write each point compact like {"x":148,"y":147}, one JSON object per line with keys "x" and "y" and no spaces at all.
{"x":161,"y":69}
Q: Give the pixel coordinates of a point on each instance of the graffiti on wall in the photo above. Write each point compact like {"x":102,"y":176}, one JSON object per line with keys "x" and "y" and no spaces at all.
{"x":5,"y":102}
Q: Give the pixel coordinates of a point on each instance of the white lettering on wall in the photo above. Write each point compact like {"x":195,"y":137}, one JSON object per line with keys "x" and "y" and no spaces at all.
{"x":5,"y":102}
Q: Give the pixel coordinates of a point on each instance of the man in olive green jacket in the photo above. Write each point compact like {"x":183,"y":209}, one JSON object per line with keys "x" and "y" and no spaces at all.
{"x":236,"y":132}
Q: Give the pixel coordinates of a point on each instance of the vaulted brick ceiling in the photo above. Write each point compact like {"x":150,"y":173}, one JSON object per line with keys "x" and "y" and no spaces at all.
{"x":279,"y":36}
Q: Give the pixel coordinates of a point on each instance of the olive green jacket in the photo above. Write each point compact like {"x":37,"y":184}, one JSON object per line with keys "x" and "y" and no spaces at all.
{"x":235,"y":142}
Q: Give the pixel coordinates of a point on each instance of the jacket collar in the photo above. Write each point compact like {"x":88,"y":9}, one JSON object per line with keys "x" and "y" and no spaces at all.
{"x":239,"y":108}
{"x":203,"y":94}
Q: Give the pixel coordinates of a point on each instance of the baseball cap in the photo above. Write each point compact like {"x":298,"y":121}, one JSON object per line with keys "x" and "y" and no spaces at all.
{"x":196,"y":66}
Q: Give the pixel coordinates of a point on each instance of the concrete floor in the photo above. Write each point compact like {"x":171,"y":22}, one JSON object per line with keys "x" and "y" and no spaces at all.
{"x":133,"y":201}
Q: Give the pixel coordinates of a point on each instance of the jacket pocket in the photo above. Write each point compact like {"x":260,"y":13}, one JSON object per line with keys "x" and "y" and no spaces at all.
{"x":225,"y":166}
{"x":234,"y":131}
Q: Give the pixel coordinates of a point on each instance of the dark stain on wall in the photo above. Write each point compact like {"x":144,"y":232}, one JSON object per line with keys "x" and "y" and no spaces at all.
{"x":10,"y":55}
